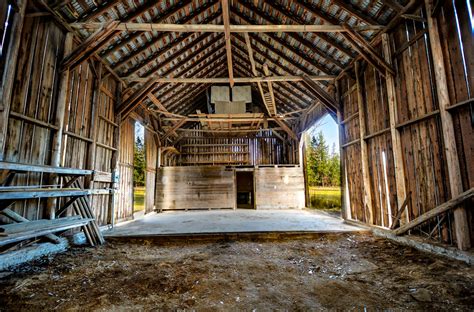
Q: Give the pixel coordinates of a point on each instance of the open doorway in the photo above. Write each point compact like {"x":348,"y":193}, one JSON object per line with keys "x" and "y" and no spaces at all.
{"x":139,"y":169}
{"x":323,"y":167}
{"x":245,"y":189}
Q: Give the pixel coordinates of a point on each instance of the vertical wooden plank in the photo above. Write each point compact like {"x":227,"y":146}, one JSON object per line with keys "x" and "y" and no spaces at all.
{"x":91,"y":151}
{"x":394,"y":132}
{"x":452,"y":161}
{"x":57,"y":143}
{"x":366,"y":188}
{"x":345,"y":211}
{"x":6,"y":89}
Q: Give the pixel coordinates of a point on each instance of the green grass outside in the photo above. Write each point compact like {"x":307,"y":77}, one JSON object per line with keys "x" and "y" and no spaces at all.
{"x":138,"y":198}
{"x":325,"y":198}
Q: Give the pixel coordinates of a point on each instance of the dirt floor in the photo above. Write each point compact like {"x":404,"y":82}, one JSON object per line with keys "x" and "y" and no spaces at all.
{"x":337,"y":271}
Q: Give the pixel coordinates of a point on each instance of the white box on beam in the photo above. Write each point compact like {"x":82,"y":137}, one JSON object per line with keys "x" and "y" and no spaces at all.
{"x":220,"y":94}
{"x":242,"y":94}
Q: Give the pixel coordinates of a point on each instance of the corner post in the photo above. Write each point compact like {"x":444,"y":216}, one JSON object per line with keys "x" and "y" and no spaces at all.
{"x":449,"y":137}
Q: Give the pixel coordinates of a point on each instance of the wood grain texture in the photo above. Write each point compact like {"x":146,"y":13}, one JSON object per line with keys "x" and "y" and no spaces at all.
{"x":204,"y":187}
{"x":279,"y":188}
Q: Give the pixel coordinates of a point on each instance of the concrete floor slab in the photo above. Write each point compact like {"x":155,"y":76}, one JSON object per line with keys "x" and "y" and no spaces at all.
{"x":231,"y":221}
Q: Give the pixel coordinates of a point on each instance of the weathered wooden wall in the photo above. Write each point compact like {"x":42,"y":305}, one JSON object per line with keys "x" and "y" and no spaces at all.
{"x":279,"y":188}
{"x":151,"y":153}
{"x":31,"y":118}
{"x":198,"y":187}
{"x":263,"y":148}
{"x":418,"y":125}
{"x":459,"y":62}
{"x":29,"y":123}
{"x":124,"y":198}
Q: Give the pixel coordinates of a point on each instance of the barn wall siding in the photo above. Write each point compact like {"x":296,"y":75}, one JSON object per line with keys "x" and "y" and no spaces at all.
{"x":279,"y":188}
{"x":198,"y":187}
{"x":418,"y":123}
{"x":87,"y":142}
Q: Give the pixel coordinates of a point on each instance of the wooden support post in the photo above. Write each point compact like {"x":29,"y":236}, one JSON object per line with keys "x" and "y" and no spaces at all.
{"x":115,"y":156}
{"x":57,"y":142}
{"x":395,"y":132}
{"x":345,"y":211}
{"x":363,"y":150}
{"x":91,"y":152}
{"x":6,"y":87}
{"x":449,"y":138}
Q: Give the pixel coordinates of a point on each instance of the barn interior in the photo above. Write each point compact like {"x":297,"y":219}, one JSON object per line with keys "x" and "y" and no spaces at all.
{"x":225,"y":90}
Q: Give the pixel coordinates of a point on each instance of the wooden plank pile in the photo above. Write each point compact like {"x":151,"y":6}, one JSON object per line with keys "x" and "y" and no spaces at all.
{"x":25,"y":229}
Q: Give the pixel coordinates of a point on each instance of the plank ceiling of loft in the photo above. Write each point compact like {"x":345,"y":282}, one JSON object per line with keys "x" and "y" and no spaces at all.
{"x":169,"y":54}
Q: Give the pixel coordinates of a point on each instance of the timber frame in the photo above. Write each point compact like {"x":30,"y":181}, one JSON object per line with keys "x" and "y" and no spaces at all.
{"x":77,"y":74}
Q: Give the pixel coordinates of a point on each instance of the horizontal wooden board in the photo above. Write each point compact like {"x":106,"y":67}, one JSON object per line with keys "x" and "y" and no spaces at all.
{"x":279,"y":188}
{"x":204,"y":187}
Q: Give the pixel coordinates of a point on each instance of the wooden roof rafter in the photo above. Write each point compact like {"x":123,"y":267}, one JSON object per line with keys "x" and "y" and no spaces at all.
{"x":193,"y":55}
{"x":240,"y":68}
{"x":123,"y":41}
{"x":267,"y":58}
{"x":280,"y":103}
{"x":190,"y":93}
{"x":160,"y":52}
{"x":179,"y":88}
{"x":277,"y":86}
{"x":258,"y":38}
{"x":302,"y":41}
{"x":330,"y":40}
{"x":293,"y":85}
{"x":130,"y":17}
{"x":355,"y":12}
{"x":204,"y":63}
{"x":214,"y":55}
{"x":204,"y":41}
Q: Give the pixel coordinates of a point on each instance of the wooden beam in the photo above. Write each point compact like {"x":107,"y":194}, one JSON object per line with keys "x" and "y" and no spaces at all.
{"x":160,"y":18}
{"x":148,"y":27}
{"x":174,"y":128}
{"x":144,"y":49}
{"x":135,"y":99}
{"x":285,"y":127}
{"x":393,"y":23}
{"x":325,"y":98}
{"x":366,"y":45}
{"x":363,"y":55}
{"x":228,"y":46}
{"x":397,"y":150}
{"x":449,"y":137}
{"x":308,"y":44}
{"x":283,"y":41}
{"x":453,"y":203}
{"x":236,"y":79}
{"x":89,"y":47}
{"x":298,"y":87}
{"x":364,"y":158}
